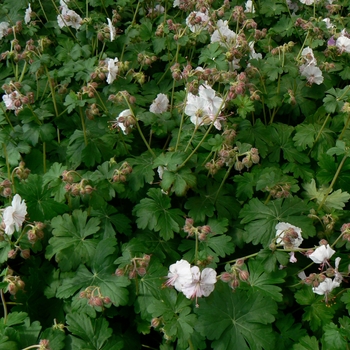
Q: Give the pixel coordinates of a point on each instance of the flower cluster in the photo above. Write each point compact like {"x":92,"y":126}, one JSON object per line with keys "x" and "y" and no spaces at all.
{"x":192,"y":282}
{"x":205,"y":107}
{"x":76,"y":187}
{"x":309,"y":68}
{"x":235,"y":274}
{"x":160,"y":104}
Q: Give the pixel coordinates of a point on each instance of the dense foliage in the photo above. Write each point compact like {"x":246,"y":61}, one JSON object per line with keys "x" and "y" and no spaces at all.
{"x":174,"y":175}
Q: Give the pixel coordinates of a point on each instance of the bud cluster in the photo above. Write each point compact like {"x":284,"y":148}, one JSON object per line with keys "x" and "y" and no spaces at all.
{"x":314,"y":279}
{"x":120,"y":175}
{"x":25,"y":253}
{"x":94,"y":297}
{"x":21,"y":171}
{"x":235,"y":275}
{"x":36,"y":232}
{"x":146,"y":59}
{"x":345,"y":230}
{"x":76,"y":188}
{"x":14,"y":282}
{"x":5,"y":188}
{"x":137,"y":267}
{"x":230,"y":155}
{"x":200,"y":231}
{"x":279,"y":190}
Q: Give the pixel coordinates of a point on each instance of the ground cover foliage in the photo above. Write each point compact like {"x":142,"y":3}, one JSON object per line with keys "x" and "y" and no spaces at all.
{"x":174,"y":175}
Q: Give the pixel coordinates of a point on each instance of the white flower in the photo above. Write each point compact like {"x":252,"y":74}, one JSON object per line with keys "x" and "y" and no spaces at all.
{"x":4,"y":26}
{"x":27,"y":15}
{"x":202,"y":18}
{"x":68,"y":18}
{"x":179,"y":275}
{"x":10,"y":99}
{"x":112,"y":30}
{"x":288,"y":235}
{"x":223,"y":34}
{"x":205,"y":107}
{"x":113,"y":68}
{"x":14,"y":215}
{"x":122,"y":118}
{"x":343,"y":43}
{"x":326,"y":287}
{"x":329,"y":25}
{"x":249,"y":7}
{"x":160,"y":104}
{"x":202,"y":283}
{"x":176,"y":3}
{"x":322,"y":254}
{"x":253,"y":54}
{"x":308,"y":2}
{"x":308,"y":56}
{"x":158,"y":9}
{"x":312,"y":73}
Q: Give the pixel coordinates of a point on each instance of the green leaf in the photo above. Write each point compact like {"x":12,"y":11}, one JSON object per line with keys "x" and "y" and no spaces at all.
{"x":263,"y":282}
{"x":335,"y":200}
{"x":95,"y":333}
{"x":290,"y":332}
{"x":142,"y":171}
{"x":307,"y":343}
{"x":176,"y":313}
{"x":245,"y":187}
{"x":101,"y":275}
{"x":53,"y":178}
{"x":200,"y":208}
{"x":261,"y":219}
{"x":316,"y":311}
{"x":238,"y":320}
{"x":332,"y":338}
{"x":40,"y":205}
{"x":155,"y":213}
{"x":179,"y":182}
{"x":244,"y":105}
{"x":70,"y":241}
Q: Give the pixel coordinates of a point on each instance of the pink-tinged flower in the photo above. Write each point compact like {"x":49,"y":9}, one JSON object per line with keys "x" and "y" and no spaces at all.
{"x":288,"y":235}
{"x":27,"y":15}
{"x":308,"y":56}
{"x":326,"y":287}
{"x":322,"y":254}
{"x":12,"y":101}
{"x":253,"y":54}
{"x":14,"y":215}
{"x":68,"y":18}
{"x":112,"y":66}
{"x":179,"y":275}
{"x":312,"y":73}
{"x":160,"y":104}
{"x":292,"y":258}
{"x":343,"y":44}
{"x":4,"y":26}
{"x":202,"y":283}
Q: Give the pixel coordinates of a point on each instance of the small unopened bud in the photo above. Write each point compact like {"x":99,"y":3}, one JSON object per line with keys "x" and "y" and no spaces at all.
{"x":226,"y":277}
{"x":12,"y":254}
{"x":323,"y":242}
{"x":119,"y":272}
{"x":25,"y":253}
{"x":244,"y":275}
{"x":107,"y":300}
{"x":155,"y":322}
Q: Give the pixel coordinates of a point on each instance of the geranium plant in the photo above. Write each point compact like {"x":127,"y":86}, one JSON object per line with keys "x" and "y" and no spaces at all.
{"x":174,"y":174}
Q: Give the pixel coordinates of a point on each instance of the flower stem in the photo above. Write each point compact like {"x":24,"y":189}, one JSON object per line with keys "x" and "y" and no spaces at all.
{"x":333,"y":181}
{"x":319,"y":133}
{"x":345,"y":127}
{"x":83,"y":126}
{"x":3,"y":305}
{"x":223,"y":182}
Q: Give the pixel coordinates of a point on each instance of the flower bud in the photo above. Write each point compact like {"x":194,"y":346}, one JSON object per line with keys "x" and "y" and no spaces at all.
{"x":25,"y":253}
{"x":244,"y":275}
{"x":12,"y":254}
{"x":226,"y":277}
{"x":155,"y":322}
